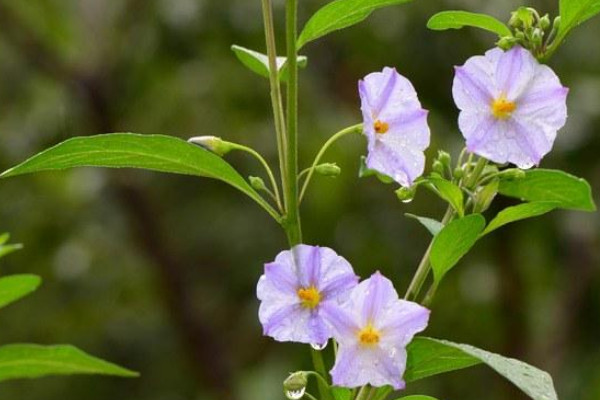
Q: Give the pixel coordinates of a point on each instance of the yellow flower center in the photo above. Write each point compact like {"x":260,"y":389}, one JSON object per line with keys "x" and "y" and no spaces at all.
{"x":309,"y":296}
{"x":502,"y":108}
{"x":368,"y":336}
{"x":381,"y":127}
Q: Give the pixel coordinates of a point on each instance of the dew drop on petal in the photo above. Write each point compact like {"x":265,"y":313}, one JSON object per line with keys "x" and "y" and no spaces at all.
{"x":318,"y":346}
{"x":295,"y":394}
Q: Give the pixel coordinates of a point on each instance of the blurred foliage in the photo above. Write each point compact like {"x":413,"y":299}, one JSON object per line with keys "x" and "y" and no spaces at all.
{"x":158,"y":272}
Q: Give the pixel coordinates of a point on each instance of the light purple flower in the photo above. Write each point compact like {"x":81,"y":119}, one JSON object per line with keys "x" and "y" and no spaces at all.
{"x":511,"y":106}
{"x":296,"y":287}
{"x":373,"y":328}
{"x":395,"y":126}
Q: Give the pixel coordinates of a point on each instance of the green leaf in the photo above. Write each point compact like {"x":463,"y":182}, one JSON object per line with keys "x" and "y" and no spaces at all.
{"x":9,"y":248}
{"x":433,"y":226}
{"x":4,"y":238}
{"x":130,"y":150}
{"x":33,"y":361}
{"x":449,"y":192}
{"x":428,"y":357}
{"x":517,"y":213}
{"x":417,"y":397}
{"x":341,"y":393}
{"x":14,"y":287}
{"x":459,"y":19}
{"x":453,"y":242}
{"x":340,"y":14}
{"x":435,"y":356}
{"x":259,"y":62}
{"x":567,"y":190}
{"x":574,"y":12}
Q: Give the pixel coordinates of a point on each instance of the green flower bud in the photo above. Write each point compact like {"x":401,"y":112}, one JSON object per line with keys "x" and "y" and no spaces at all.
{"x":484,"y":196}
{"x":458,"y":173}
{"x":213,"y":144}
{"x":544,"y":22}
{"x":257,"y":183}
{"x":506,"y":42}
{"x":406,"y":194}
{"x":513,"y":173}
{"x":444,"y":158}
{"x":328,"y":169}
{"x":438,"y":167}
{"x":556,"y":23}
{"x":296,"y":382}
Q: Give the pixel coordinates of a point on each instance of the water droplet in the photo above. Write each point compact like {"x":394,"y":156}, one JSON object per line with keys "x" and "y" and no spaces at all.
{"x":318,"y":346}
{"x":406,"y":201}
{"x":295,"y":394}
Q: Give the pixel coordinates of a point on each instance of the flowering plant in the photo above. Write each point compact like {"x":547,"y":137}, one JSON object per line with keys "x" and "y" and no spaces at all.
{"x":511,"y":107}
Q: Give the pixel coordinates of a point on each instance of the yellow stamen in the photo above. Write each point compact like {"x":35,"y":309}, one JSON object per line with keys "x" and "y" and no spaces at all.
{"x":368,"y":336}
{"x":381,"y":127}
{"x":309,"y":296}
{"x":502,"y":108}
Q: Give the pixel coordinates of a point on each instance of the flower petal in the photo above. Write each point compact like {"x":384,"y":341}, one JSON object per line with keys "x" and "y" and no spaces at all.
{"x":401,"y":322}
{"x":410,"y":128}
{"x":378,"y":293}
{"x":342,"y":322}
{"x":474,"y":85}
{"x":397,"y":160}
{"x":515,"y":70}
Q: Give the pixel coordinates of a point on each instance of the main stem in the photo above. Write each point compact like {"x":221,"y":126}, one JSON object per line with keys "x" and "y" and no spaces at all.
{"x":276,"y":98}
{"x":292,"y":218}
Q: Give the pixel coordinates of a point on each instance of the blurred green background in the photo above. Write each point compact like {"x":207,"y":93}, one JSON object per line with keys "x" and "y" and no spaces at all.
{"x":158,"y":272}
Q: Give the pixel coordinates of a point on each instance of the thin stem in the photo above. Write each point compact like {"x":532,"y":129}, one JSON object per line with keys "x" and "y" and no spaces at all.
{"x":424,"y":266}
{"x":351,"y":129}
{"x":319,"y":365}
{"x":382,"y":393}
{"x":292,"y":220}
{"x":276,"y":98}
{"x":363,"y":393}
{"x":474,"y":176}
{"x":310,"y":396}
{"x":265,"y":165}
{"x":317,"y":375}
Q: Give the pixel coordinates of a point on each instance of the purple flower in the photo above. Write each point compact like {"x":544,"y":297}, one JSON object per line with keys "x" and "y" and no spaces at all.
{"x":373,"y":328}
{"x":395,"y":126}
{"x":296,"y":287}
{"x":511,"y":106}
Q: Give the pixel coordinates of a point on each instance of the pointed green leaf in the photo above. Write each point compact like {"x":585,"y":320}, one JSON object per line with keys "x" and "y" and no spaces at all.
{"x":14,"y":287}
{"x":453,"y":242}
{"x":427,"y":357}
{"x":459,"y":19}
{"x":259,"y":62}
{"x":449,"y":192}
{"x":574,"y":12}
{"x":551,"y":185}
{"x":33,"y":361}
{"x":520,"y":212}
{"x":130,"y":150}
{"x":340,"y":14}
{"x":434,"y":227}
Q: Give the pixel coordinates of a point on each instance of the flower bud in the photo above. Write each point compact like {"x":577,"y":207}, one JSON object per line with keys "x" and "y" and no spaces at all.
{"x":438,"y":167}
{"x":406,"y":194}
{"x":213,"y":144}
{"x":485,"y":196}
{"x":297,"y":381}
{"x":328,"y":169}
{"x":556,"y":23}
{"x":544,"y":22}
{"x":506,"y":42}
{"x":257,"y":183}
{"x":458,"y":173}
{"x":444,"y":158}
{"x":513,"y":173}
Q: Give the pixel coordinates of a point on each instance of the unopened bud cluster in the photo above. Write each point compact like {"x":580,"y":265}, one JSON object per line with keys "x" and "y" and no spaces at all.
{"x":530,"y":30}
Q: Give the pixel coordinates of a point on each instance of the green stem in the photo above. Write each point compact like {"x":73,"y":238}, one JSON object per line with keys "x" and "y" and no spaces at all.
{"x":474,"y":176}
{"x":424,"y":266}
{"x":319,"y":377}
{"x":382,"y":393}
{"x":292,"y":220}
{"x":310,"y":396}
{"x":351,"y":129}
{"x":276,"y":98}
{"x":319,"y":366}
{"x":265,"y":165}
{"x":363,"y":393}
